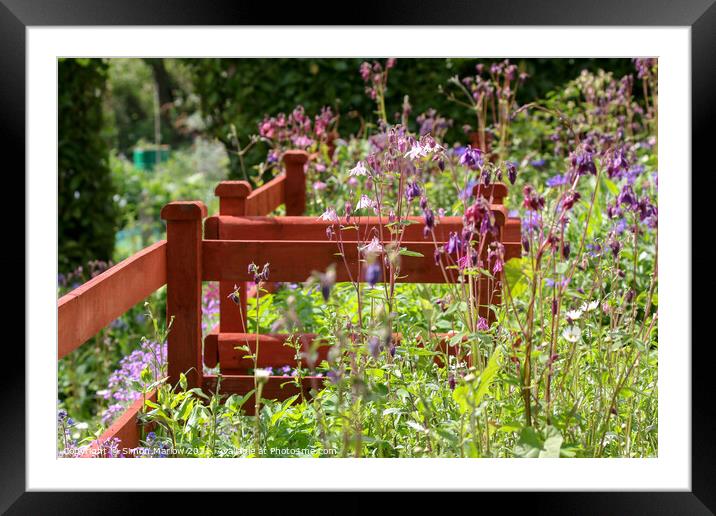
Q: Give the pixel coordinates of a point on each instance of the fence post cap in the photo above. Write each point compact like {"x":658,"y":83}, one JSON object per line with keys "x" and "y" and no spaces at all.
{"x":295,"y":156}
{"x":184,"y":210}
{"x":240,"y":189}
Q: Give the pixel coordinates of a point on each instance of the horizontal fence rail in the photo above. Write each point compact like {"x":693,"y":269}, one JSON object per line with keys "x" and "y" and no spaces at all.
{"x":294,"y":261}
{"x":275,"y":352}
{"x":268,"y":197}
{"x":86,"y":310}
{"x":310,"y":228}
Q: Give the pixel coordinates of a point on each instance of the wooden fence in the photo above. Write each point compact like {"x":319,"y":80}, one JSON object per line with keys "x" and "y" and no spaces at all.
{"x":219,"y":248}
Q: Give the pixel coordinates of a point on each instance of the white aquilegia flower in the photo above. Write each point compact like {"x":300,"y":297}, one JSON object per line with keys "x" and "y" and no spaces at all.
{"x":572,"y":333}
{"x":588,"y":307}
{"x":574,"y":314}
{"x":330,"y":215}
{"x":417,"y":151}
{"x":373,"y":247}
{"x":359,"y":170}
{"x":262,"y":375}
{"x":365,"y":202}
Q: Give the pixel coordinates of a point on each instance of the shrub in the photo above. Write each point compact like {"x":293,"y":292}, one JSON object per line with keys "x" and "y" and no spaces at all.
{"x":85,"y":184}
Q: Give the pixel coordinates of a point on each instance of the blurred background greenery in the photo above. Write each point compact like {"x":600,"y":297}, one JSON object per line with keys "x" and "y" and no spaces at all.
{"x":113,"y":113}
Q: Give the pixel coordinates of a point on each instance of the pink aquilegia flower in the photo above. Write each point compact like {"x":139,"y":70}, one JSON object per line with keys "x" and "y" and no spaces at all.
{"x":359,"y":170}
{"x":330,"y":215}
{"x":374,"y":247}
{"x":365,"y":202}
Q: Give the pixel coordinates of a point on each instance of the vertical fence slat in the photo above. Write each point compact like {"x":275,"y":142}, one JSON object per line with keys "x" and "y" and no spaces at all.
{"x":232,"y":201}
{"x":295,"y":186}
{"x":184,"y":245}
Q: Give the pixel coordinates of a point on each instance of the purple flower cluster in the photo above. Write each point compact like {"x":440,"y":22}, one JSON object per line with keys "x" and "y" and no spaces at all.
{"x":432,"y":123}
{"x":297,"y":129}
{"x":645,"y":66}
{"x":375,"y":76}
{"x":210,"y":307}
{"x":532,"y":200}
{"x":121,"y":388}
{"x":478,"y":218}
{"x":628,"y":201}
{"x":496,"y":80}
{"x":81,"y":274}
{"x":259,"y":275}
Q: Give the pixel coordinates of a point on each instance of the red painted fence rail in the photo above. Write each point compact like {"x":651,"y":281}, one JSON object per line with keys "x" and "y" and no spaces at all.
{"x":82,"y":313}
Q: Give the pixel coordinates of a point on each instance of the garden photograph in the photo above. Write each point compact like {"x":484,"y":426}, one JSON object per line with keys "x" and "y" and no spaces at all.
{"x":357,"y":258}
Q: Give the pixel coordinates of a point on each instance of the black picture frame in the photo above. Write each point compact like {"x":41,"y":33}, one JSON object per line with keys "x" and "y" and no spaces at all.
{"x":699,"y":15}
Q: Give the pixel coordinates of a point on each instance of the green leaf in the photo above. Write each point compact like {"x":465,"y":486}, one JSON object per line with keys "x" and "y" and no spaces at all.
{"x":146,"y":375}
{"x":552,"y":443}
{"x":461,"y":397}
{"x":406,"y":252}
{"x":515,"y":276}
{"x":532,"y":444}
{"x":488,"y":375}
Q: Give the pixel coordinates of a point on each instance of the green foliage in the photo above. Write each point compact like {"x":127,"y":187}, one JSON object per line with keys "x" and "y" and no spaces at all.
{"x":87,"y":213}
{"x":240,"y":92}
{"x":189,"y":174}
{"x":130,"y":105}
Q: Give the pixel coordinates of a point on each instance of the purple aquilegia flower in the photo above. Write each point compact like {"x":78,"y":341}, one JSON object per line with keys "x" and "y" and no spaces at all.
{"x":412,"y":191}
{"x":429,"y":217}
{"x":570,"y":199}
{"x":263,"y":275}
{"x":511,"y":171}
{"x":627,"y":198}
{"x":497,"y":257}
{"x":482,"y":324}
{"x":327,"y":280}
{"x":373,"y":273}
{"x":614,"y":211}
{"x":614,"y":245}
{"x":472,"y":158}
{"x":374,"y":346}
{"x":618,"y":164}
{"x":583,"y":161}
{"x":453,"y":243}
{"x":532,"y":200}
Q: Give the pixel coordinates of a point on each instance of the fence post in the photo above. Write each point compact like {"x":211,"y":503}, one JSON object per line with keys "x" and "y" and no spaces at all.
{"x":295,"y":188}
{"x":232,"y":313}
{"x":184,"y":269}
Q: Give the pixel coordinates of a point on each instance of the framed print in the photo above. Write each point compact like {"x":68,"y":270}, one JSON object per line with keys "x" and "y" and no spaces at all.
{"x":410,"y":255}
